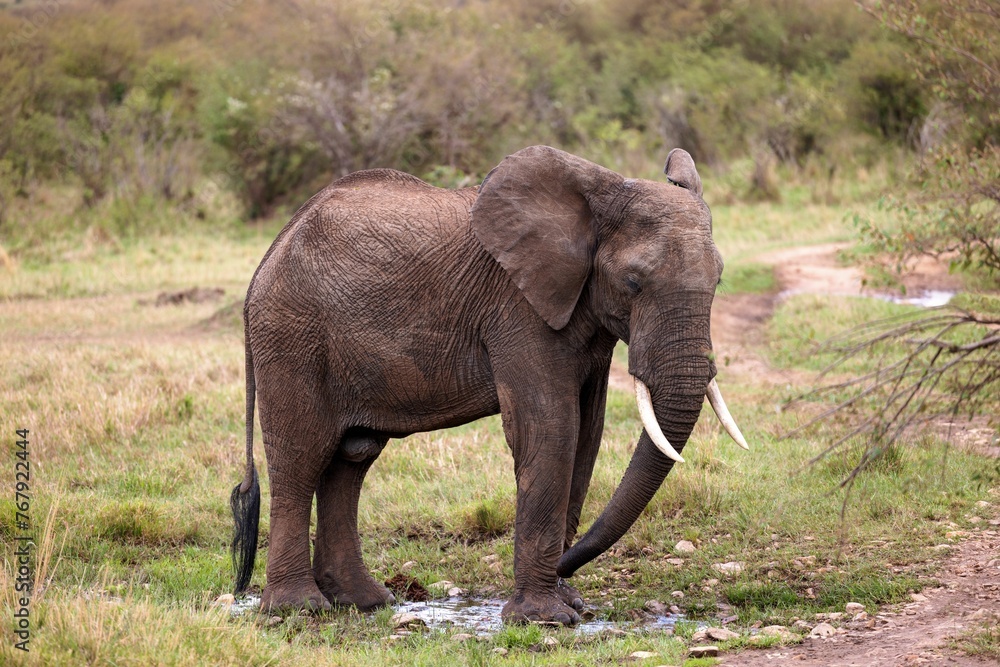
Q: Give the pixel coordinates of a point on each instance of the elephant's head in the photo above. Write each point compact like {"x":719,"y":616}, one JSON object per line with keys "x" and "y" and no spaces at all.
{"x":580,"y":240}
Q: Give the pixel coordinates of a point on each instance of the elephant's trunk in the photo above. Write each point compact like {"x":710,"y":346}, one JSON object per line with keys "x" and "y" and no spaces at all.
{"x":646,"y":472}
{"x":672,"y":358}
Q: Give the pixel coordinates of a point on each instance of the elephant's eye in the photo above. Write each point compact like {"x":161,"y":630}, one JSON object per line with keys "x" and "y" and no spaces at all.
{"x":632,"y":285}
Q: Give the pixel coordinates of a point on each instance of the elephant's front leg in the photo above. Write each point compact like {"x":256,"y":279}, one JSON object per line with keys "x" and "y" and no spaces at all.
{"x":542,"y":434}
{"x":593,"y":399}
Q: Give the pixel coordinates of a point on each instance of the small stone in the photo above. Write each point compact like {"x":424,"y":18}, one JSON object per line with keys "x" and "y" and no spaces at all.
{"x":655,"y":607}
{"x":917,"y":597}
{"x":981,"y":614}
{"x":440,"y":586}
{"x":704,"y":651}
{"x":614,"y":632}
{"x":779,"y":631}
{"x":550,"y":642}
{"x":406,"y":620}
{"x":802,"y":625}
{"x":860,"y":616}
{"x":225,"y":600}
{"x":699,"y":636}
{"x":823,"y":630}
{"x":455,"y":592}
{"x":676,"y":562}
{"x":642,"y":655}
{"x":721,"y":634}
{"x":854,"y":607}
{"x":679,"y":595}
{"x":273,"y":622}
{"x":730,"y":568}
{"x":461,"y":637}
{"x":712,"y":582}
{"x":499,"y":650}
{"x":492,"y":558}
{"x":407,"y":566}
{"x":982,"y":503}
{"x":674,"y":609}
{"x":835,"y":616}
{"x":685,"y":547}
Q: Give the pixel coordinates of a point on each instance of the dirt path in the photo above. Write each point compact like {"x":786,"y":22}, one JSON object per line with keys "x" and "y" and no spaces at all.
{"x":969,"y":593}
{"x":918,"y":634}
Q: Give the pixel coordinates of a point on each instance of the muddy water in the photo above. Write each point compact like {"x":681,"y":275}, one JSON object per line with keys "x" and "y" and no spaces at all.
{"x":480,"y":617}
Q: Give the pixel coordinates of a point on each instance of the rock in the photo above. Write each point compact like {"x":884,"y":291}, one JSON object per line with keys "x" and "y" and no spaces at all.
{"x":721,"y":634}
{"x":860,"y":616}
{"x":917,"y":597}
{"x":395,"y":638}
{"x":614,"y":632}
{"x":406,"y":620}
{"x":679,"y":595}
{"x":685,"y":547}
{"x":499,"y":650}
{"x":779,"y":631}
{"x":802,"y":625}
{"x":273,"y":622}
{"x":711,"y":582}
{"x":699,"y":636}
{"x":407,"y":566}
{"x":461,"y":637}
{"x":983,"y":614}
{"x":730,"y":568}
{"x":642,"y":655}
{"x":823,"y":630}
{"x":676,"y":562}
{"x":492,"y":558}
{"x":655,"y":607}
{"x":982,"y":503}
{"x":455,"y":592}
{"x":854,"y":607}
{"x":226,"y":600}
{"x":440,"y":586}
{"x":703,"y":651}
{"x":674,"y":609}
{"x":550,"y":642}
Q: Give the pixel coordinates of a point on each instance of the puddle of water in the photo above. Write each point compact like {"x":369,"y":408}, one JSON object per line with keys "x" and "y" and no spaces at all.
{"x":243,"y":605}
{"x":925,"y":299}
{"x":928,"y":299}
{"x":481,"y":617}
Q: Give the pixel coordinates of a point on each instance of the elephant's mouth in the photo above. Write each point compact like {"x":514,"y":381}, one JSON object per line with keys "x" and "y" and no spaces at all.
{"x":648,"y":416}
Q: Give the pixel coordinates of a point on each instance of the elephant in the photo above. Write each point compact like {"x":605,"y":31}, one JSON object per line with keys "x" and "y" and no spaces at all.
{"x":387,"y":306}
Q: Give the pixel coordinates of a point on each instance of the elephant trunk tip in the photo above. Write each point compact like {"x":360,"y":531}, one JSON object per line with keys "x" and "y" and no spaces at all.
{"x":245,"y":504}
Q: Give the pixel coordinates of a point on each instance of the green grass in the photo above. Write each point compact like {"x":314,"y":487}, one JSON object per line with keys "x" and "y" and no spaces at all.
{"x":136,"y":418}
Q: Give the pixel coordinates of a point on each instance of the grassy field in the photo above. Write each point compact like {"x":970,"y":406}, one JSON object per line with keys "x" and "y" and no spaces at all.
{"x":135,"y":414}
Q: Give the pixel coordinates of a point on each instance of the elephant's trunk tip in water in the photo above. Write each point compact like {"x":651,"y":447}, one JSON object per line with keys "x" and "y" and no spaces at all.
{"x":246,"y":514}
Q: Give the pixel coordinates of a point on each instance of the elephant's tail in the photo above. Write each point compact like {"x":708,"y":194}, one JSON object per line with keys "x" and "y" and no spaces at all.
{"x":245,"y":500}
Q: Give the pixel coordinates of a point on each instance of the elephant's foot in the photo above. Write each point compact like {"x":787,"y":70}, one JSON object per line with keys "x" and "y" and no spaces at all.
{"x":362,"y":592}
{"x":569,"y":595}
{"x":528,"y":607}
{"x":302,"y":594}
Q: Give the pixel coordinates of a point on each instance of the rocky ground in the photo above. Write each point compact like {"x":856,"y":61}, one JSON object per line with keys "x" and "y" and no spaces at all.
{"x":923,"y":631}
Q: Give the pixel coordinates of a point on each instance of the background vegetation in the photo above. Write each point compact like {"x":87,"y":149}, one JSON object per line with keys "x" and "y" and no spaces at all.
{"x":134,"y":115}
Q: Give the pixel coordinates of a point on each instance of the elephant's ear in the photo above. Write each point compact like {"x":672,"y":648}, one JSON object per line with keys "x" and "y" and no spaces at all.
{"x":680,"y":170}
{"x":532,"y":214}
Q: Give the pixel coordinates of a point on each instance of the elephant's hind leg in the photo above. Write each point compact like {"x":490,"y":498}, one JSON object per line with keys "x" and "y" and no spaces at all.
{"x":298,"y":440}
{"x":338,"y":565}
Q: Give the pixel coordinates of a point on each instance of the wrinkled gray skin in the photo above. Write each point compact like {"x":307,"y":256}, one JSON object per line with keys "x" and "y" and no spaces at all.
{"x":387,"y":307}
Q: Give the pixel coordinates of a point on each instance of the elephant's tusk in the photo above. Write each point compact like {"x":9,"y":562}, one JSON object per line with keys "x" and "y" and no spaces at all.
{"x":649,"y":422}
{"x":722,"y":412}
